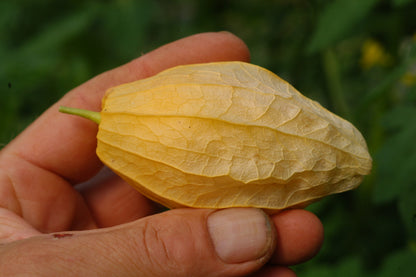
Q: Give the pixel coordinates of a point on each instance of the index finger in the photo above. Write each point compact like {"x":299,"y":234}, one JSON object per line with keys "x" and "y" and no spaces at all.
{"x":65,"y":145}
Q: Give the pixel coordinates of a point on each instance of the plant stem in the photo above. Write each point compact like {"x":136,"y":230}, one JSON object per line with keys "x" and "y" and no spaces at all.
{"x":94,"y":116}
{"x":333,"y":77}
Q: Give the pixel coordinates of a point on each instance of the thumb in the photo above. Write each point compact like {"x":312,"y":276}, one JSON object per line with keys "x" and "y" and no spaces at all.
{"x":183,"y":242}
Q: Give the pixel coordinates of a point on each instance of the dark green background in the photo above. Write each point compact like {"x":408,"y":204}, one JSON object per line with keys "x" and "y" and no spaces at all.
{"x":48,"y":47}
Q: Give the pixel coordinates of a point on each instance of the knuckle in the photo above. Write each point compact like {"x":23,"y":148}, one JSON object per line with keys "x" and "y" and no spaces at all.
{"x":168,"y":247}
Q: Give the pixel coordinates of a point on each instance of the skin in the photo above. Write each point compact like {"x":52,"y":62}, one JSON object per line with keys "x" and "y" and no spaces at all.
{"x":106,"y":222}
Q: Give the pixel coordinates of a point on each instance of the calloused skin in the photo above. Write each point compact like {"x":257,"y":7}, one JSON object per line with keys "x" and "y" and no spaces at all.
{"x":103,"y":229}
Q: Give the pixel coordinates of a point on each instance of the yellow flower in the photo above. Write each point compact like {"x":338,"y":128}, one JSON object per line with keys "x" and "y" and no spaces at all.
{"x":409,"y":79}
{"x":373,"y":54}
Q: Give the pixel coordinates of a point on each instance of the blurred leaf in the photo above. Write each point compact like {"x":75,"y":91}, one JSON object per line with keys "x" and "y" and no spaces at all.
{"x":335,"y":88}
{"x":401,"y":263}
{"x":407,"y":207}
{"x":399,"y":117}
{"x":401,"y":2}
{"x":51,"y":38}
{"x":350,"y":266}
{"x":397,"y":158}
{"x":8,"y":14}
{"x":319,"y":271}
{"x":336,"y":20}
{"x":129,"y":26}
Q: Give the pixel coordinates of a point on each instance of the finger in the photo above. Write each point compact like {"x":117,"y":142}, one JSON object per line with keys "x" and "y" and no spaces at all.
{"x":65,"y":145}
{"x":42,"y":199}
{"x":13,"y":227}
{"x":186,"y":242}
{"x":300,"y":235}
{"x":112,"y":201}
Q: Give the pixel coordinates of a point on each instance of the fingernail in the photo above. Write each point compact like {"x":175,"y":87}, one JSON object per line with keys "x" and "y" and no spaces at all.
{"x":241,"y":234}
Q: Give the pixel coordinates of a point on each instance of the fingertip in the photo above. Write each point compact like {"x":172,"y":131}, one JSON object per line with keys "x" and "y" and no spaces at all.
{"x":236,"y":50}
{"x":214,"y":47}
{"x":300,"y":235}
{"x":197,"y":48}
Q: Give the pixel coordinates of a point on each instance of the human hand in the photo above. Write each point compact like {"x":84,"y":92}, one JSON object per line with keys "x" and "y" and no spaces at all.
{"x":50,"y":226}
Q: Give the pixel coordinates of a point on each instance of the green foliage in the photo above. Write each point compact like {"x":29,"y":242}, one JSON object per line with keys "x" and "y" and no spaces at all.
{"x":397,"y":264}
{"x":397,"y":155}
{"x":356,"y":57}
{"x":401,"y":2}
{"x":336,"y":19}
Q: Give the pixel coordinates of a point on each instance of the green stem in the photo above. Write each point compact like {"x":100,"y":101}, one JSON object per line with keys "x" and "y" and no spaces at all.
{"x":335,"y":89}
{"x":94,"y":116}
